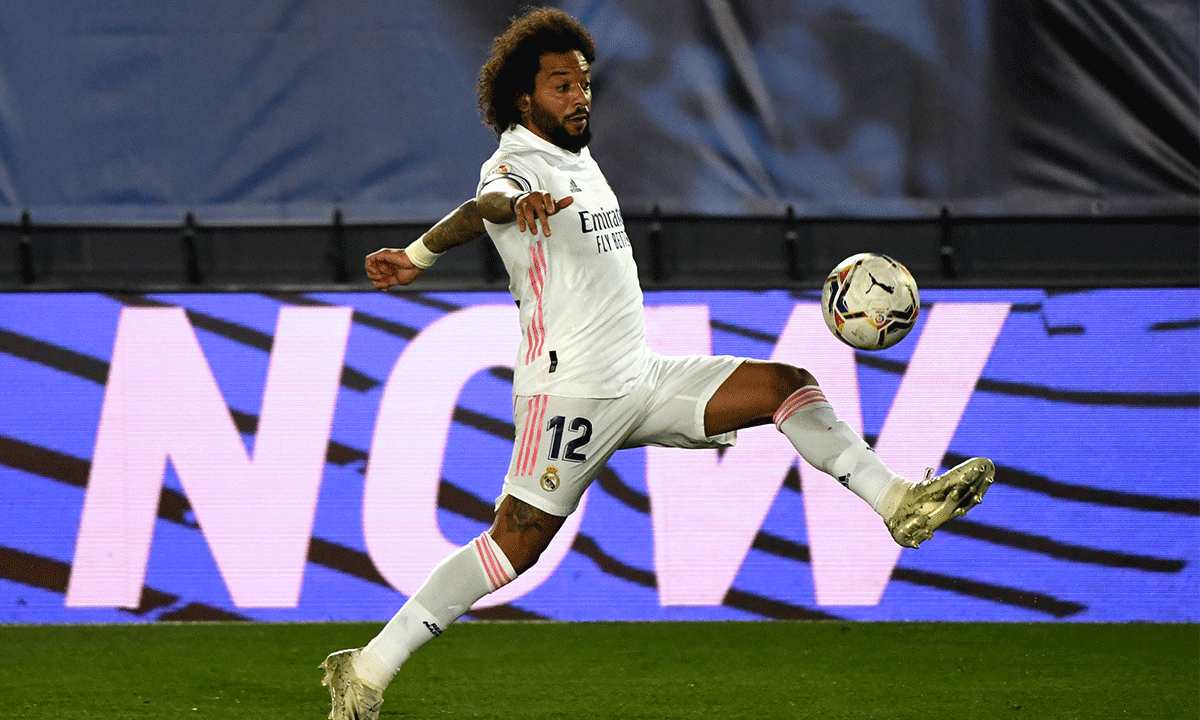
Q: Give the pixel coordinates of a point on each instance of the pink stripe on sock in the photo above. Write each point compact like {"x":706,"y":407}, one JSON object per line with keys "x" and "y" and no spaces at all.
{"x":491,"y":564}
{"x":489,"y":547}
{"x":805,"y":396}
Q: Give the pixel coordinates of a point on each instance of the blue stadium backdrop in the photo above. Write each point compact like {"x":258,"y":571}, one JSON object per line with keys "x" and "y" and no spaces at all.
{"x":309,"y":456}
{"x":281,"y":110}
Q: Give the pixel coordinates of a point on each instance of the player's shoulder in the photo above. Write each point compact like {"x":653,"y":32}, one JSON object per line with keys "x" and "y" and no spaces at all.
{"x":512,"y":157}
{"x":517,"y":169}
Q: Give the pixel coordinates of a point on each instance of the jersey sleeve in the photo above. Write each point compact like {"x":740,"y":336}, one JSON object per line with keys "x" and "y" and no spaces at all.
{"x":506,"y":168}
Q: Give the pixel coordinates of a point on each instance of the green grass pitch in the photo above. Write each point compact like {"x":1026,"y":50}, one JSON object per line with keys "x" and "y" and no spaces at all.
{"x":826,"y":670}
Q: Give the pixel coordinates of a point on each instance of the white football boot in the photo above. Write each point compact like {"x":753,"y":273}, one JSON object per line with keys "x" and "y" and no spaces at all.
{"x":352,"y":697}
{"x":927,"y":505}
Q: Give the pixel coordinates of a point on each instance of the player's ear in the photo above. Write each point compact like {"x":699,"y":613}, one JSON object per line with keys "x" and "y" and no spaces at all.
{"x":524,"y":102}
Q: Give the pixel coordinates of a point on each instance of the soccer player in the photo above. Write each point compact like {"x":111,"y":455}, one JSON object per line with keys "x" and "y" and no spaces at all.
{"x":585,"y":385}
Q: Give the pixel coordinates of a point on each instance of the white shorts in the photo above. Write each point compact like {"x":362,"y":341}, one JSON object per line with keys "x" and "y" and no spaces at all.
{"x":563,"y":443}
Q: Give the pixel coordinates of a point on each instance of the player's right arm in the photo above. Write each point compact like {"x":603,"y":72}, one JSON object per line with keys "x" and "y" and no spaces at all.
{"x":502,"y":200}
{"x":388,"y":267}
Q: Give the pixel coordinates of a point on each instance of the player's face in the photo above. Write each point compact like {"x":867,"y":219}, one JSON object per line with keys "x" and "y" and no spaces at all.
{"x":559,"y":108}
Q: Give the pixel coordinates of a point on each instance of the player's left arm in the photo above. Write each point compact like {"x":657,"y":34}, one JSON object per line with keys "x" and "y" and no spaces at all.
{"x":388,"y":267}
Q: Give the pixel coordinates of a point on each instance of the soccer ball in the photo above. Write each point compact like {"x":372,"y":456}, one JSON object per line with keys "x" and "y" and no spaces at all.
{"x":870,"y":301}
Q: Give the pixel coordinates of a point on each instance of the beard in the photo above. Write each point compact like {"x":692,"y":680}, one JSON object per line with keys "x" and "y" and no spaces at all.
{"x":565,"y":140}
{"x":558,"y":133}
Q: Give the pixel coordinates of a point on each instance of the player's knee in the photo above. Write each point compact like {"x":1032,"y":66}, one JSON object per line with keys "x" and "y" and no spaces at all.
{"x":521,"y":555}
{"x":523,"y":532}
{"x":525,"y":556}
{"x":804,"y":377}
{"x":787,"y":379}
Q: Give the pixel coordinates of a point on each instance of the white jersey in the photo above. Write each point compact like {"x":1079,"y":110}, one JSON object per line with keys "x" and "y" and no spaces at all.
{"x":582,"y":324}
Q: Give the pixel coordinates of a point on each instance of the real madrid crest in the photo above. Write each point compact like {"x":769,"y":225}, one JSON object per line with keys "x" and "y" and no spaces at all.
{"x":550,"y":479}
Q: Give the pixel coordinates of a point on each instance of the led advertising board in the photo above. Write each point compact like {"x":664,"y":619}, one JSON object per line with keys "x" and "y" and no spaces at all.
{"x":311,"y":457}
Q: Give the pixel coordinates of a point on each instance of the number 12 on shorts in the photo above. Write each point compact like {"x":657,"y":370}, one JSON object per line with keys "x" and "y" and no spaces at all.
{"x":582,"y":429}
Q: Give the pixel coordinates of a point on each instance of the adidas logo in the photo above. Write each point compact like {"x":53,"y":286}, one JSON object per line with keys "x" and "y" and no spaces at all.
{"x":575,"y":188}
{"x":433,"y":628}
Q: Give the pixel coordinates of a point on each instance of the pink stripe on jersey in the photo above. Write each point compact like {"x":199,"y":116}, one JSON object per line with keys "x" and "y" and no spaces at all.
{"x":804,"y":397}
{"x":536,"y":332}
{"x":543,"y":271}
{"x":531,"y":336}
{"x":531,"y":439}
{"x":491,"y":564}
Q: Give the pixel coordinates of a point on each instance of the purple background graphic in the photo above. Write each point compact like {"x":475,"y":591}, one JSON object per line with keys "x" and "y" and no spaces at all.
{"x":1088,"y":403}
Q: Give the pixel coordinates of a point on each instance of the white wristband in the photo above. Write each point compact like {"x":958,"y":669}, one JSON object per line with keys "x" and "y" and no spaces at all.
{"x":420,"y":255}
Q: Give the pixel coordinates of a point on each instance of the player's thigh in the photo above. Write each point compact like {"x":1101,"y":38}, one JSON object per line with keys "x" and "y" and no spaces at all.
{"x":752,"y":394}
{"x":679,"y":391}
{"x":561,"y":445}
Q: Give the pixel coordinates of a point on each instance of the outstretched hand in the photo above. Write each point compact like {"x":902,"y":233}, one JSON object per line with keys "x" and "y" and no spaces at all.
{"x":389,"y":267}
{"x":535,"y":208}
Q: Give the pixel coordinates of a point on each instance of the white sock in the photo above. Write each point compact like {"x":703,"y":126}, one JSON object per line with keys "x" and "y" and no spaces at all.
{"x":451,"y":589}
{"x":828,"y":444}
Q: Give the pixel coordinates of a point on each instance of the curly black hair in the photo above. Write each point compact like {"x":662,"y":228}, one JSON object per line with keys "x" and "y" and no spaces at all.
{"x":516,"y":59}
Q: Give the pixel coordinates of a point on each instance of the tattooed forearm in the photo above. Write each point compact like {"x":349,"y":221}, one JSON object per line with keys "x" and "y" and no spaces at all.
{"x":462,"y":225}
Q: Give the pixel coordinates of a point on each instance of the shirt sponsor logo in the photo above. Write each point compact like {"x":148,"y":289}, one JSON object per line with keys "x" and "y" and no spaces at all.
{"x":609,"y":227}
